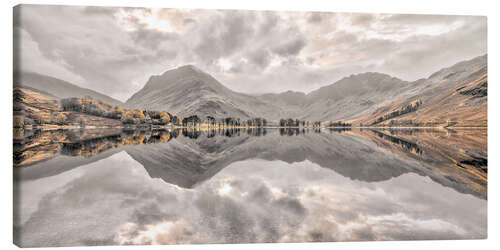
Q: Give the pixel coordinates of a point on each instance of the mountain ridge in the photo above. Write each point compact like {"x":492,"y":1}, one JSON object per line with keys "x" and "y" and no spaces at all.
{"x":187,"y":90}
{"x":58,"y":87}
{"x":215,"y":99}
{"x":453,"y":96}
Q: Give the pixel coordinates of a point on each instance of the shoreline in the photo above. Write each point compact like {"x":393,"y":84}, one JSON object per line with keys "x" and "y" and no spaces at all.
{"x":69,"y":127}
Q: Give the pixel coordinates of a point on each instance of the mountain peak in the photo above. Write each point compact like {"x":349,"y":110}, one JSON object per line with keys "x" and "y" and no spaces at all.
{"x":182,"y":80}
{"x":457,"y":68}
{"x":185,"y":69}
{"x":174,"y":75}
{"x":369,"y":75}
{"x":188,"y":66}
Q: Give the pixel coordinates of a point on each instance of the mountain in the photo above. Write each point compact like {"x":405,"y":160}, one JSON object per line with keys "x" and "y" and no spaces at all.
{"x":453,"y":96}
{"x":58,"y":88}
{"x":39,"y":109}
{"x":349,"y":98}
{"x":353,"y":96}
{"x":286,"y":98}
{"x":456,"y":94}
{"x":187,"y":91}
{"x":362,"y":97}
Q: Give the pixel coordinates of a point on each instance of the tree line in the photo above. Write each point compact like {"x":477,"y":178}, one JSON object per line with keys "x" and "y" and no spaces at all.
{"x":194,"y":120}
{"x":339,"y":124}
{"x":289,"y":122}
{"x":413,"y":106}
{"x":99,"y":108}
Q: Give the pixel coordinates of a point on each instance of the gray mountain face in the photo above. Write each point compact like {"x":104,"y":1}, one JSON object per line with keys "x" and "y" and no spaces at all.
{"x":353,"y":96}
{"x":58,"y":88}
{"x":348,"y":98}
{"x":187,"y":91}
{"x":447,"y":79}
{"x":459,"y":70}
{"x":289,"y":98}
{"x":457,"y":93}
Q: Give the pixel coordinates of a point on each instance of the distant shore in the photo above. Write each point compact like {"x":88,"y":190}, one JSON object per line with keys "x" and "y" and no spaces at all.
{"x":155,"y":127}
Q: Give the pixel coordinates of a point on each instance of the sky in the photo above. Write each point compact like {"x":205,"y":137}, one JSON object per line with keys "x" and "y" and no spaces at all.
{"x":115,"y":50}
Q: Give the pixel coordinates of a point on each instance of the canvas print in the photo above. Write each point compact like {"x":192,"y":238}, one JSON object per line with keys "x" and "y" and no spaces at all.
{"x":140,"y":126}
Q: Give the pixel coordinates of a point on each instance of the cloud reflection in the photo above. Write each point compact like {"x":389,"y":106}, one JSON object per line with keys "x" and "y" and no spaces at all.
{"x":114,"y":201}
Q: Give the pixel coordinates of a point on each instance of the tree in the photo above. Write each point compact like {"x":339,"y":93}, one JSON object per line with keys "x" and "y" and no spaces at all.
{"x":176,"y":120}
{"x":211,"y":120}
{"x":81,"y":122}
{"x":193,"y":120}
{"x":282,"y":122}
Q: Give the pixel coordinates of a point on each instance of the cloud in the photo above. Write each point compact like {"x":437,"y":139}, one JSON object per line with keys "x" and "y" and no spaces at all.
{"x":363,"y":20}
{"x":420,"y":50}
{"x":28,"y":57}
{"x":163,"y":233}
{"x":234,"y":31}
{"x":315,"y":17}
{"x":94,"y":10}
{"x":115,"y":50}
{"x":290,"y":48}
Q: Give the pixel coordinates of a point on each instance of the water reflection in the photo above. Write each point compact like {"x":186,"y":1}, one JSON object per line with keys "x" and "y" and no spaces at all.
{"x":406,"y":145}
{"x":445,"y":150}
{"x":248,"y":185}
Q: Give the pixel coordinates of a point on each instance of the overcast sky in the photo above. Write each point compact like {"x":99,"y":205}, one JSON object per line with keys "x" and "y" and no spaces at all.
{"x":115,"y":50}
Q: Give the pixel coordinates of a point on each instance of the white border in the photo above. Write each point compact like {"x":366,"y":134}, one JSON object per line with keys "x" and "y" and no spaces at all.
{"x":469,"y":7}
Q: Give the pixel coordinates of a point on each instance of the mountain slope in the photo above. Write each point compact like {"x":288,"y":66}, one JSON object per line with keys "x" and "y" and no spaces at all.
{"x":353,"y":96}
{"x":58,"y":88}
{"x":291,"y":98}
{"x":454,"y":96}
{"x":187,"y":91}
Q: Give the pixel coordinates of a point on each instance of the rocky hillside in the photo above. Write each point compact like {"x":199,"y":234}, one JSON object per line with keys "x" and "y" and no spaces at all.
{"x":454,"y":96}
{"x":34,"y":108}
{"x":353,"y":96}
{"x":58,"y":88}
{"x":189,"y":91}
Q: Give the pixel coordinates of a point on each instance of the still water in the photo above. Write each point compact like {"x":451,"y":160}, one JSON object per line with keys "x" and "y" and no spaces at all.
{"x":107,"y":187}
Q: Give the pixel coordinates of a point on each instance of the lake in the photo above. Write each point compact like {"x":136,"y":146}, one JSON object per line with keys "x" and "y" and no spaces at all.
{"x":112,"y":186}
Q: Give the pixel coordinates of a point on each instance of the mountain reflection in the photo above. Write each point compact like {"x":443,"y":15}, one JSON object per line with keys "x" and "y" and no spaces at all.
{"x":36,"y":145}
{"x":455,"y":154}
{"x":406,"y":145}
{"x":187,"y":157}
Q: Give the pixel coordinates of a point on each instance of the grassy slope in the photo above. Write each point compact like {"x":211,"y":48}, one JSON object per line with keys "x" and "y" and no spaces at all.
{"x":39,"y":105}
{"x":447,"y":107}
{"x":58,"y":87}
